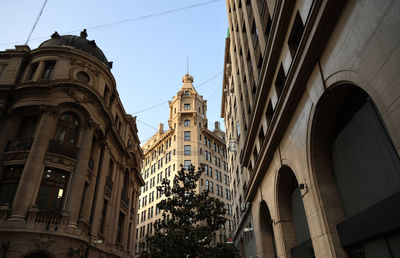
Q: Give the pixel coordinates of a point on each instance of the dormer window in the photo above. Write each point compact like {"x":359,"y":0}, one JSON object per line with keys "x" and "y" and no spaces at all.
{"x":186,"y":106}
{"x":186,"y":93}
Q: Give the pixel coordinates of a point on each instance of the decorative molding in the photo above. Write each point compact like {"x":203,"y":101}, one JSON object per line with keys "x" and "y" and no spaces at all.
{"x":53,"y":110}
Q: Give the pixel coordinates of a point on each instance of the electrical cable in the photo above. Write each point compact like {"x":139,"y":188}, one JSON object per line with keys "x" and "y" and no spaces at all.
{"x":162,"y":103}
{"x":134,"y":19}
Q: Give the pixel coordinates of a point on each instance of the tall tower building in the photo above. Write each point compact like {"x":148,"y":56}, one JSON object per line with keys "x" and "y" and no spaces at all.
{"x":186,"y":142}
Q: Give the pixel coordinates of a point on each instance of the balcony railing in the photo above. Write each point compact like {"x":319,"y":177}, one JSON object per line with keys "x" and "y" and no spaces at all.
{"x":109,"y":183}
{"x":63,"y":149}
{"x":19,"y":144}
{"x":124,"y":198}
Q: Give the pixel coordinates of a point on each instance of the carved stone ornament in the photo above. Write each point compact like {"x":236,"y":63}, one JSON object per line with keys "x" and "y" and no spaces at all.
{"x":53,"y":110}
{"x":44,"y":242}
{"x":91,"y":124}
{"x":74,"y":94}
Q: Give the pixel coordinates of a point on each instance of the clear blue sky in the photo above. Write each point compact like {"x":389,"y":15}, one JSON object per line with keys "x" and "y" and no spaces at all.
{"x":149,"y":54}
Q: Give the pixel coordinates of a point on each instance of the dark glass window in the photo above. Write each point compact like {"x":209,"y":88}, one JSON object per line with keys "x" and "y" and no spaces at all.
{"x":9,"y":183}
{"x":121,"y":220}
{"x":32,"y":71}
{"x":27,"y":127}
{"x":48,"y":69}
{"x":52,"y":187}
{"x":103,"y":216}
{"x":83,"y":76}
{"x":67,"y":128}
{"x":186,"y":135}
{"x":186,"y":123}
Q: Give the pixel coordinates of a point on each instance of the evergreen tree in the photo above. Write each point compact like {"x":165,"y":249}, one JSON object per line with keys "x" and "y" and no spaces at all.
{"x":189,"y":220}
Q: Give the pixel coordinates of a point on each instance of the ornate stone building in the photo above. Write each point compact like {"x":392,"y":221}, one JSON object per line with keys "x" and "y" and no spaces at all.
{"x":311,"y":103}
{"x":186,"y":142}
{"x":70,"y":155}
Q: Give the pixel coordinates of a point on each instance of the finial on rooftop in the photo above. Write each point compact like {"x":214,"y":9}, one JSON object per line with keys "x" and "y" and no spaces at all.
{"x":84,"y":34}
{"x":55,"y":35}
{"x":187,"y":78}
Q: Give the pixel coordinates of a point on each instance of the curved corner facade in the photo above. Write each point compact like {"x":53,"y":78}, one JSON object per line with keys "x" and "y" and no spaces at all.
{"x":70,"y":157}
{"x":311,"y":107}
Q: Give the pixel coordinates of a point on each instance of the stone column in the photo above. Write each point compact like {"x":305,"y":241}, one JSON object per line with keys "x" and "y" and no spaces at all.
{"x":33,"y":169}
{"x":87,"y":203}
{"x":75,"y":192}
{"x":98,"y":205}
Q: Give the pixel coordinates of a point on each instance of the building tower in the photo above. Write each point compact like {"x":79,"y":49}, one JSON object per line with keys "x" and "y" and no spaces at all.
{"x":186,"y":142}
{"x":70,"y":155}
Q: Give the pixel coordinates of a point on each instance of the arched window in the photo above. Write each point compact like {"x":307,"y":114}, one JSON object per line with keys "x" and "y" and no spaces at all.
{"x":186,"y":123}
{"x":67,"y":128}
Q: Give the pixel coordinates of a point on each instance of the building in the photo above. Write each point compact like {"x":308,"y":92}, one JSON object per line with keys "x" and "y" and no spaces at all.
{"x":70,"y":155}
{"x":186,"y":142}
{"x":311,"y":107}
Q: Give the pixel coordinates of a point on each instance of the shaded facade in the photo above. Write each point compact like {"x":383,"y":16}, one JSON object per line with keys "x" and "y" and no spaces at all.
{"x":311,"y":107}
{"x":186,"y":142}
{"x":70,"y":155}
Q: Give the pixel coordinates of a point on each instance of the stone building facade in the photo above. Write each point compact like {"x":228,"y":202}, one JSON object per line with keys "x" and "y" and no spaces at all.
{"x":311,"y":106}
{"x":70,"y":155}
{"x":186,"y":142}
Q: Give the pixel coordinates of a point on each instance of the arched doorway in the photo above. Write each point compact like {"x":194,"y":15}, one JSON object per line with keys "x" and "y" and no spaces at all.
{"x":357,"y":170}
{"x":292,"y":216}
{"x":268,"y":247}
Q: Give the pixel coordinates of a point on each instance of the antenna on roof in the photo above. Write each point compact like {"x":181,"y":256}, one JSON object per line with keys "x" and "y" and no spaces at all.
{"x":37,"y":19}
{"x":187,"y":65}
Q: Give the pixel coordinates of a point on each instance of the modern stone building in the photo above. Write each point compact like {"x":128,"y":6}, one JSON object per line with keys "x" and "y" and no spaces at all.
{"x":311,"y":103}
{"x":70,"y":156}
{"x":186,"y":142}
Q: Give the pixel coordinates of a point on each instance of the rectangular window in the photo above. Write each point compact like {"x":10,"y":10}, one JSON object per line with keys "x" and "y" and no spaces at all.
{"x":27,"y":127}
{"x":51,"y":191}
{"x":121,"y":221}
{"x":103,"y":216}
{"x":186,"y":135}
{"x":48,"y":69}
{"x":295,"y":34}
{"x":32,"y":71}
{"x":187,"y":163}
{"x":206,"y":155}
{"x":186,"y":106}
{"x":9,"y":183}
{"x":187,"y":150}
{"x":186,"y":93}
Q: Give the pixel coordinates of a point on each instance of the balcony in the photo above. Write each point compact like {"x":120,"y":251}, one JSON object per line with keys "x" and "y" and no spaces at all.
{"x":19,"y":144}
{"x":63,"y":149}
{"x":109,"y":183}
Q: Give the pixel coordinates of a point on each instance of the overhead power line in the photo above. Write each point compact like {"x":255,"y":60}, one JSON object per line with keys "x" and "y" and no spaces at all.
{"x":37,"y":19}
{"x":134,"y":19}
{"x":162,"y":103}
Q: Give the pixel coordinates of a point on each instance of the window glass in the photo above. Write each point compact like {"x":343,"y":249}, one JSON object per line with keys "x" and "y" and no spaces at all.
{"x":186,"y":106}
{"x":51,"y":192}
{"x":186,"y":123}
{"x":9,"y":183}
{"x":67,"y":128}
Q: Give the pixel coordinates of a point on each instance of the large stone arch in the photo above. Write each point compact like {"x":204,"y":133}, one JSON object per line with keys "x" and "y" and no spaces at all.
{"x":336,"y":113}
{"x":291,"y":216}
{"x":268,"y":246}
